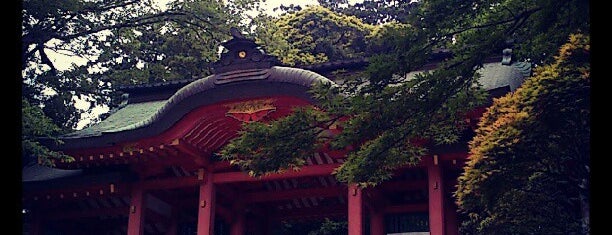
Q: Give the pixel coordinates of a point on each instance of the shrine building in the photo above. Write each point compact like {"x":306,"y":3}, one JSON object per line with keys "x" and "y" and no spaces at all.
{"x":150,"y":167}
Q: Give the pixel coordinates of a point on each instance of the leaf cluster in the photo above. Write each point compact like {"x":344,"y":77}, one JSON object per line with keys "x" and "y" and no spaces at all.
{"x":528,"y":171}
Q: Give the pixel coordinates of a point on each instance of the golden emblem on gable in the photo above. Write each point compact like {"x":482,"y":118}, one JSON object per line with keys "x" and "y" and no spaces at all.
{"x":250,"y":111}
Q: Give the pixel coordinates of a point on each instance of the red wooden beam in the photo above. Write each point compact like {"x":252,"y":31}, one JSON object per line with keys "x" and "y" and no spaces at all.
{"x":134,"y":152}
{"x":191,"y":151}
{"x":294,"y":193}
{"x":76,"y":193}
{"x":314,"y":170}
{"x":171,"y":183}
{"x":219,"y":178}
{"x":234,"y":177}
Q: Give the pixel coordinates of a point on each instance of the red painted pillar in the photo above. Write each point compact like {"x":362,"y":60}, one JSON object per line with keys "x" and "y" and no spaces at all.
{"x":136,"y":217}
{"x":436,"y":197}
{"x":377,"y":222}
{"x":355,"y":210}
{"x":206,"y":207}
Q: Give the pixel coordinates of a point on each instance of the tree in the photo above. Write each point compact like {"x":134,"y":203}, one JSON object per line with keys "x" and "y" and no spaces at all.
{"x":170,"y":50}
{"x":313,"y":35}
{"x":73,"y":28}
{"x":374,"y":11}
{"x":528,"y":170}
{"x":124,"y":43}
{"x":377,"y":136}
{"x":35,"y":125}
{"x":314,"y":227}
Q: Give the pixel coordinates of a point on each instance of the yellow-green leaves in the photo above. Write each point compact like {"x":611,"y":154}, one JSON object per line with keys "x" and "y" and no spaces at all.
{"x":530,"y":156}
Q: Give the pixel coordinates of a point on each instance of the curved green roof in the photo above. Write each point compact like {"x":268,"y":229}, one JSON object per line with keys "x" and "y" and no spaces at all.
{"x":139,"y":115}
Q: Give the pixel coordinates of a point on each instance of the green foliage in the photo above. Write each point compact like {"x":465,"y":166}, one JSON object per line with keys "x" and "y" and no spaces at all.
{"x":528,"y":171}
{"x":124,"y":43}
{"x":533,"y":28}
{"x":314,"y":35}
{"x":374,"y":11}
{"x":72,"y":28}
{"x":386,"y":115}
{"x":314,"y":227}
{"x":297,"y":137}
{"x":35,"y":125}
{"x":171,"y":50}
{"x":330,"y":227}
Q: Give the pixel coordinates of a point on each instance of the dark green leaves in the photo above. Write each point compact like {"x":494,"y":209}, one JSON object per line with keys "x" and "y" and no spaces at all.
{"x":280,"y":145}
{"x":36,"y":125}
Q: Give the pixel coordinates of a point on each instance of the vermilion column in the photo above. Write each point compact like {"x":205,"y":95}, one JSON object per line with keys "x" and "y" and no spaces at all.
{"x":206,"y":207}
{"x":377,"y":222}
{"x":436,"y":197}
{"x":136,"y":217}
{"x":355,"y":210}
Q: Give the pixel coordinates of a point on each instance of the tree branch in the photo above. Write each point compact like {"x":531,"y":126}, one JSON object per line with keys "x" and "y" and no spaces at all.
{"x":132,"y":23}
{"x":516,"y":18}
{"x":119,"y":4}
{"x":45,"y":59}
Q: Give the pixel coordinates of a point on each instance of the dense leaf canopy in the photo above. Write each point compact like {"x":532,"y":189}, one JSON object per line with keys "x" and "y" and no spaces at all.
{"x":313,"y":35}
{"x":386,"y":120}
{"x":528,"y":171}
{"x":384,"y":114}
{"x":122,"y":42}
